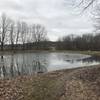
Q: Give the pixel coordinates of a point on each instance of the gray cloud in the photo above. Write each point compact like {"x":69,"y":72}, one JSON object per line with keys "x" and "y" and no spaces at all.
{"x":10,"y":5}
{"x":58,"y":16}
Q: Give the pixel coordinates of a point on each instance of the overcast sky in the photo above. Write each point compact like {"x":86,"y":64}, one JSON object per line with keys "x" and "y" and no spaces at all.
{"x":60,"y":17}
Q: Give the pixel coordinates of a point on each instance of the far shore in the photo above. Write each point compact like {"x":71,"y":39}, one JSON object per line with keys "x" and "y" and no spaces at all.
{"x":92,"y":53}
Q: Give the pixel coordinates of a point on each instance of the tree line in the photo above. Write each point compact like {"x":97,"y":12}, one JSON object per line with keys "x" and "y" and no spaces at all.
{"x":16,"y":34}
{"x":84,"y":42}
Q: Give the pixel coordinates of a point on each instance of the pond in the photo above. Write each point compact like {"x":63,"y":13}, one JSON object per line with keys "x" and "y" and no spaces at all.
{"x":17,"y":64}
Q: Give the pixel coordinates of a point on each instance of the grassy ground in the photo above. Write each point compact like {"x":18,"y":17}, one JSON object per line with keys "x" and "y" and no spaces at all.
{"x":36,"y":87}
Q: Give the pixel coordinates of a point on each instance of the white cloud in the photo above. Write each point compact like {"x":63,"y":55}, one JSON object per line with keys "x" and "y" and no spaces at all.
{"x":58,"y":16}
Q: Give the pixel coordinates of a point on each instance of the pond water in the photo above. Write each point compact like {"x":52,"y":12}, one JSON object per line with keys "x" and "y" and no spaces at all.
{"x":40,"y":62}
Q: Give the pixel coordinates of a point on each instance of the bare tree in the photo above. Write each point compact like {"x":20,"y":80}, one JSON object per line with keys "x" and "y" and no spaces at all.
{"x":4,"y":28}
{"x":12,"y":34}
{"x":24,"y":32}
{"x":39,"y":36}
{"x":84,"y":42}
{"x":39,"y":33}
{"x":97,"y":19}
{"x":83,"y":5}
{"x":87,"y":3}
{"x":18,"y":30}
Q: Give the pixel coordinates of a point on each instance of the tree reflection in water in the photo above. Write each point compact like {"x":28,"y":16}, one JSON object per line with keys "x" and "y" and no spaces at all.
{"x":3,"y":71}
{"x":39,"y":65}
{"x":28,"y":63}
{"x":12,"y":66}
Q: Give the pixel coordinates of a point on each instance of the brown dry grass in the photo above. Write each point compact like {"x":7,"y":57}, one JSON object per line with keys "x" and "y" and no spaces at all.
{"x":73,"y":84}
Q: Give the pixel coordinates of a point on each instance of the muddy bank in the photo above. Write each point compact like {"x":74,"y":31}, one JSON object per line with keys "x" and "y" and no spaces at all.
{"x":71,"y":84}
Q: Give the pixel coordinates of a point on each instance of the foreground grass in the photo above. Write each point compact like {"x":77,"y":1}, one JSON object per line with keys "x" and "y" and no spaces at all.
{"x":45,"y":87}
{"x":36,"y":87}
{"x":72,"y":84}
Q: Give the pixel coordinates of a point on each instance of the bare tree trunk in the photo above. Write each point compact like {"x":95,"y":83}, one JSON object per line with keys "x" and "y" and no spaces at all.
{"x":2,"y":46}
{"x":39,"y":35}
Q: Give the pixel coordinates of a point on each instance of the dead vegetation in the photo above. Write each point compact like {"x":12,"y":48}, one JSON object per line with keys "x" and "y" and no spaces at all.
{"x":76,"y":84}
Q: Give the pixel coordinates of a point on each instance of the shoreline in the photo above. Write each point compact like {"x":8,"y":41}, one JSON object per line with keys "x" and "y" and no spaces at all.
{"x":92,"y":53}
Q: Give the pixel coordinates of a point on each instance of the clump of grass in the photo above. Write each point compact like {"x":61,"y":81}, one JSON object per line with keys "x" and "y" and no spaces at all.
{"x":45,"y":88}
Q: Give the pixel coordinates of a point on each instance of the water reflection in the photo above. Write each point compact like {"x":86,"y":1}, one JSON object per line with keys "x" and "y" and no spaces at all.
{"x":12,"y":66}
{"x":39,"y":65}
{"x":3,"y":71}
{"x":91,"y":59}
{"x":87,"y":59}
{"x":28,"y":63}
